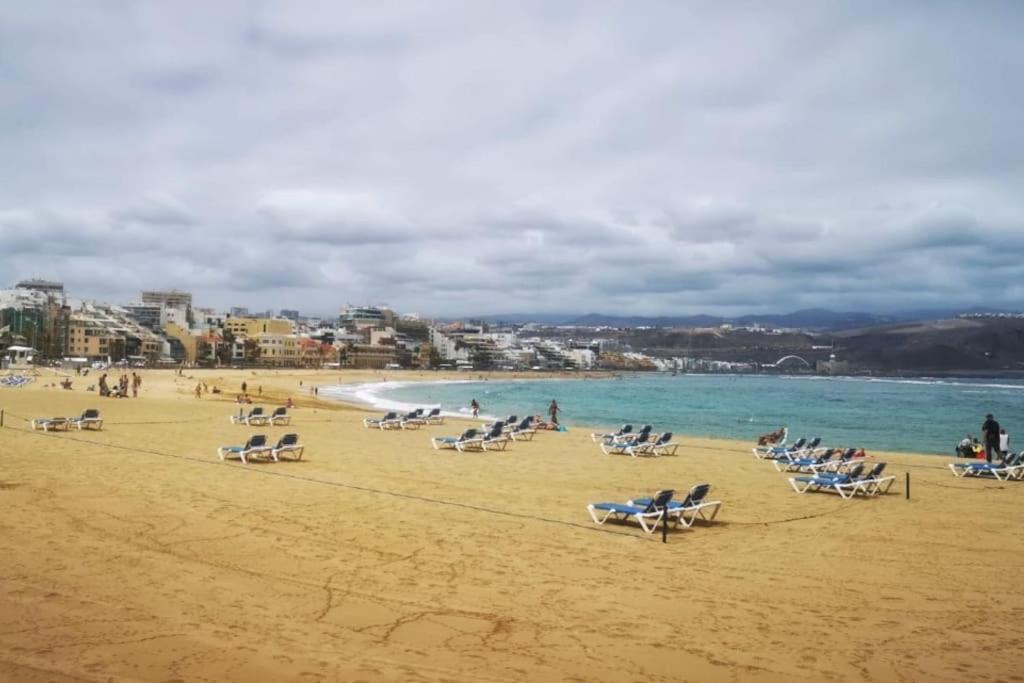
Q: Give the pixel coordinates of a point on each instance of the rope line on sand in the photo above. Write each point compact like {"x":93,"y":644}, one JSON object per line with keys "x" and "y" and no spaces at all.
{"x":405,"y":496}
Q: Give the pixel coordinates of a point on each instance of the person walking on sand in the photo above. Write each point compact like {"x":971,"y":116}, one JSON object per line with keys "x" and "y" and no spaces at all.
{"x":199,"y":389}
{"x":474,"y":407}
{"x":553,"y":411}
{"x":990,"y":430}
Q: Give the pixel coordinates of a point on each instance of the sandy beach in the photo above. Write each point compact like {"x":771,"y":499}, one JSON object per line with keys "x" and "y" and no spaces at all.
{"x":134,"y":554}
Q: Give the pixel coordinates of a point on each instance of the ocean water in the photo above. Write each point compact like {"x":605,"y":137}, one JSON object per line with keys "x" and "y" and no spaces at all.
{"x":912,"y":415}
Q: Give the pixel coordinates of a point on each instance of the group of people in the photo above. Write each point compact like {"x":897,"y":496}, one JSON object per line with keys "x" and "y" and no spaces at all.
{"x":996,"y":441}
{"x":553,"y":410}
{"x":122,"y":387}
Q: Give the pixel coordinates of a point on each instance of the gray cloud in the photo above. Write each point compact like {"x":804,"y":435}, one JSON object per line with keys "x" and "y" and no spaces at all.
{"x":453,"y":157}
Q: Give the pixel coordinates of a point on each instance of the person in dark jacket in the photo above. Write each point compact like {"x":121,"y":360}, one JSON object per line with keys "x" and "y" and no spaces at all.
{"x":990,"y":430}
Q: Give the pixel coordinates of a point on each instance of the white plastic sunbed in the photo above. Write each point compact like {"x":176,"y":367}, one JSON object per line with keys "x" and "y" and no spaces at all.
{"x":695,"y":506}
{"x":256,"y":445}
{"x":51,"y":423}
{"x":89,"y":419}
{"x":647,"y":515}
{"x":287,"y":445}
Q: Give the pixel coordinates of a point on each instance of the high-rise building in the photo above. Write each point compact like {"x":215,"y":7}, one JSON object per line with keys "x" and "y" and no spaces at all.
{"x":48,"y":287}
{"x":171,"y":299}
{"x":290,"y":314}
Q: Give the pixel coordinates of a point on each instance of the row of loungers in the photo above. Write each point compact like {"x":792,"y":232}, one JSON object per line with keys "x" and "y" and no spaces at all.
{"x":836,"y":470}
{"x":847,"y":484}
{"x":89,"y":419}
{"x":257,"y":446}
{"x":256,"y":417}
{"x":414,"y":419}
{"x":494,"y":436}
{"x":636,"y":444}
{"x":1010,"y":468}
{"x":660,"y":508}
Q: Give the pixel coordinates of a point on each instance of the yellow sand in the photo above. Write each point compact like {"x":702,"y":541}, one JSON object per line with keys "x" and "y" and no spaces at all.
{"x":133,"y":553}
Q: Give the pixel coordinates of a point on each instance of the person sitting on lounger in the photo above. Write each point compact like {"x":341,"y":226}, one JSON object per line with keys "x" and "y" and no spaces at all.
{"x":539,"y":423}
{"x":771,"y":437}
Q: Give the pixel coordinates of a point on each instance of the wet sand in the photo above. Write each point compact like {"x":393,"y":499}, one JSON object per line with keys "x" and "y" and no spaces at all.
{"x":134,"y":553}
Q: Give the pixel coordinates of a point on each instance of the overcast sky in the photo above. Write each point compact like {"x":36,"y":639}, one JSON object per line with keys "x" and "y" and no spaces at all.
{"x":472,"y":157}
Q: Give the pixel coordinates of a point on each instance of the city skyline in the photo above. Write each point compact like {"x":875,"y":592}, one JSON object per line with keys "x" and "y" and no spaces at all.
{"x":455,"y":159}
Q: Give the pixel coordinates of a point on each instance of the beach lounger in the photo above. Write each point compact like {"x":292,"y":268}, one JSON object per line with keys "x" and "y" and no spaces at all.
{"x":845,"y":460}
{"x":809,"y":463}
{"x":256,"y":445}
{"x":508,"y":423}
{"x":255,"y":417}
{"x":873,"y":483}
{"x":1011,"y":468}
{"x":773,"y":452}
{"x":663,"y":445}
{"x":280,"y":416}
{"x":439,"y":442}
{"x":389,"y":421}
{"x":845,"y":484}
{"x":524,"y":431}
{"x":695,"y":506}
{"x":412,"y":420}
{"x":89,"y":419}
{"x":496,"y":440}
{"x":627,"y":445}
{"x":51,"y":424}
{"x":616,"y":436}
{"x":287,"y":445}
{"x":651,"y":513}
{"x":434,"y":417}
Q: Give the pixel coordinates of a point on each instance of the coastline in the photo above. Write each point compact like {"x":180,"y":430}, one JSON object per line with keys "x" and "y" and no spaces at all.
{"x":135,"y":553}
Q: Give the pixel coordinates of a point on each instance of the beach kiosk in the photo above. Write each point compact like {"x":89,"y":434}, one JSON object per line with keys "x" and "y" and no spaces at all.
{"x":18,"y":357}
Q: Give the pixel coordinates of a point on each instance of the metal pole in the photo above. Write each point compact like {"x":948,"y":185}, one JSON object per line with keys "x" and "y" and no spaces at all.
{"x":1,"y":417}
{"x":908,"y":486}
{"x":664,"y":524}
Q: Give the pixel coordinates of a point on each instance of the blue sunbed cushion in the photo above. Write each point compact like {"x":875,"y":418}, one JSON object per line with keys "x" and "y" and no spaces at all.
{"x":619,"y":507}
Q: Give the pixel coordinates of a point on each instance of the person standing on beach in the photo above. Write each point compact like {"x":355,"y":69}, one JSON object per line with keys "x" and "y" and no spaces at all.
{"x":474,"y":407}
{"x":1004,"y":444}
{"x":990,"y":430}
{"x":243,"y":386}
{"x":553,"y":411}
{"x":199,"y":389}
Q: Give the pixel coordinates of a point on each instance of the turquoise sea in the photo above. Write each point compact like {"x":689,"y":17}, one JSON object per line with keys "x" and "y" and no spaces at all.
{"x":922,"y":415}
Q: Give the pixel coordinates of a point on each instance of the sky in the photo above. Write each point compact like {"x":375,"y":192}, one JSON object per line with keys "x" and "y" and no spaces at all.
{"x":461,"y":158}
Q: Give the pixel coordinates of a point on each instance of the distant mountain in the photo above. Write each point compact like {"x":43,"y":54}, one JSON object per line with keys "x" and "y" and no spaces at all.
{"x":811,"y":318}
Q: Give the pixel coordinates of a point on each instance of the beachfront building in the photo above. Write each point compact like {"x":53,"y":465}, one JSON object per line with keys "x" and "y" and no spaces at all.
{"x":171,"y":299}
{"x":107,"y":333}
{"x":368,"y":356}
{"x":356,"y":318}
{"x":51,"y":288}
{"x":277,"y":350}
{"x":252,"y":327}
{"x":35,"y":313}
{"x":187,"y":343}
{"x":147,"y":315}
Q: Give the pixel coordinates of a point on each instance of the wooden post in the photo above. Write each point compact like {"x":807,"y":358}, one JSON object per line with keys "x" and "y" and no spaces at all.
{"x":908,"y":486}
